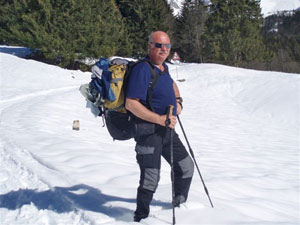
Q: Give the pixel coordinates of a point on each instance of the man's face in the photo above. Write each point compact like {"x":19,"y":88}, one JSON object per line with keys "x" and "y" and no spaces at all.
{"x":159,"y":48}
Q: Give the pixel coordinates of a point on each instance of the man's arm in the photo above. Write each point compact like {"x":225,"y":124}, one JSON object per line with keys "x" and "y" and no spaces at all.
{"x":137,"y":109}
{"x":177,"y":95}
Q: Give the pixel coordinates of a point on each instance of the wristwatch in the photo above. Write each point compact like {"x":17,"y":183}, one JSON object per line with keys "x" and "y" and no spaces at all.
{"x":179,"y":99}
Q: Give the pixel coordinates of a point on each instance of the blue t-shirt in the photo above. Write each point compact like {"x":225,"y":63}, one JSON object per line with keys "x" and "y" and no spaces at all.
{"x":163,"y":93}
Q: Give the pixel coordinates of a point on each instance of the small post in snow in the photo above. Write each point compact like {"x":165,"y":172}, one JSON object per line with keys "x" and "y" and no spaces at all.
{"x":76,"y":125}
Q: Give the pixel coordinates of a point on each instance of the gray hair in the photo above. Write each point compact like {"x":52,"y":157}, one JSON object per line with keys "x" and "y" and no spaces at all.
{"x":150,"y":37}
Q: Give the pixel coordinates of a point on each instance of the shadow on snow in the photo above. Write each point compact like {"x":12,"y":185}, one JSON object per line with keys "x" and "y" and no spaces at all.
{"x":21,"y":52}
{"x":67,"y":199}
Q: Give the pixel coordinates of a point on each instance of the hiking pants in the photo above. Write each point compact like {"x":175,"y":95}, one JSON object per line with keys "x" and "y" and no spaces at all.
{"x":149,"y":150}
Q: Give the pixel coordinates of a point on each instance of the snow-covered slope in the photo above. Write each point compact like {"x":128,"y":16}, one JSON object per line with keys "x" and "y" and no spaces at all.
{"x":268,"y":7}
{"x":243,"y":126}
{"x":272,"y":6}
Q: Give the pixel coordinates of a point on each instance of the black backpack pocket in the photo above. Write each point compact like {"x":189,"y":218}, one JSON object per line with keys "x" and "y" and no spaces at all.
{"x":119,"y":125}
{"x":143,"y":128}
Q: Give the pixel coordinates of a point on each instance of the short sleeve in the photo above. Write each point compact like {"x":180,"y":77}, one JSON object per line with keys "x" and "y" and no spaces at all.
{"x":139,"y":80}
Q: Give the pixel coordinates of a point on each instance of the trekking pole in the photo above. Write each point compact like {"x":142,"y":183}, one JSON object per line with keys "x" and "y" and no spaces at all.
{"x":192,"y":154}
{"x":169,"y":113}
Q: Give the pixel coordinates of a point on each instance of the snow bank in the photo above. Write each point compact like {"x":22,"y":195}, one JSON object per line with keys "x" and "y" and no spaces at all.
{"x":243,"y":126}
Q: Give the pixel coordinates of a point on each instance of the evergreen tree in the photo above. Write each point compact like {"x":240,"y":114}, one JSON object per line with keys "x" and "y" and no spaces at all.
{"x":232,"y":32}
{"x":281,"y":33}
{"x":64,"y":31}
{"x":190,"y":30}
{"x":144,"y":17}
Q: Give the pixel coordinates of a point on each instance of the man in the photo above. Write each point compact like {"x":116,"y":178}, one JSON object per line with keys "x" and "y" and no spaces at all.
{"x":153,"y":140}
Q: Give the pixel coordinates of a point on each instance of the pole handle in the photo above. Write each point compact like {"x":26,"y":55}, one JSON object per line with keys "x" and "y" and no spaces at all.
{"x":170,"y":110}
{"x":169,"y":113}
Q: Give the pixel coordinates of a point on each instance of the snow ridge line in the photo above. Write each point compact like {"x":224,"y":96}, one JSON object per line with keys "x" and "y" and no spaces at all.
{"x":11,"y":101}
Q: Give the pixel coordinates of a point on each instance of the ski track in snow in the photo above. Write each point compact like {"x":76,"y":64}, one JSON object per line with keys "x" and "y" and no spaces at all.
{"x":247,"y":148}
{"x":17,"y":99}
{"x":16,"y":163}
{"x":31,"y":174}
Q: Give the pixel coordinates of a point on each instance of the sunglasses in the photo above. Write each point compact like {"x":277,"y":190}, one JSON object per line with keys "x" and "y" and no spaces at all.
{"x":159,"y":45}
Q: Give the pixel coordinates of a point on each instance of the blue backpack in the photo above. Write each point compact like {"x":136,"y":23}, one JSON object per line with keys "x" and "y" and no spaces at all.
{"x":106,"y":92}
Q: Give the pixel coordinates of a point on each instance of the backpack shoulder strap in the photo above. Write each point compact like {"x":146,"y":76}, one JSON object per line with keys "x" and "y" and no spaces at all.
{"x":154,"y":78}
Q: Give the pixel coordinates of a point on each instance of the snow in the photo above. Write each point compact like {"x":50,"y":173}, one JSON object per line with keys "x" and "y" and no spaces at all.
{"x":176,"y":6}
{"x":243,"y":126}
{"x":273,"y":6}
{"x":268,"y":7}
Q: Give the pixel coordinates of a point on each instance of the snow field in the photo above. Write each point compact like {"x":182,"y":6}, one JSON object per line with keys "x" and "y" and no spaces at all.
{"x":243,"y":126}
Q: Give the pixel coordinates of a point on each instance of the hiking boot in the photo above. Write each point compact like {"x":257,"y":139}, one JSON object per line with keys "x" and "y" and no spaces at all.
{"x":138,"y":218}
{"x":178,"y":200}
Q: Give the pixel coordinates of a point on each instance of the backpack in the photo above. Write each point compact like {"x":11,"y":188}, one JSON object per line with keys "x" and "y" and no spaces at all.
{"x":106,"y":91}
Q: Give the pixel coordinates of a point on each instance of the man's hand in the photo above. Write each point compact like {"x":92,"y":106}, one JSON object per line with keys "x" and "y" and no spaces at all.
{"x":173,"y":121}
{"x":135,"y":107}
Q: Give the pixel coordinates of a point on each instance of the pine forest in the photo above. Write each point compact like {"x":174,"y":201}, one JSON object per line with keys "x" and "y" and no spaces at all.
{"x":65,"y":32}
